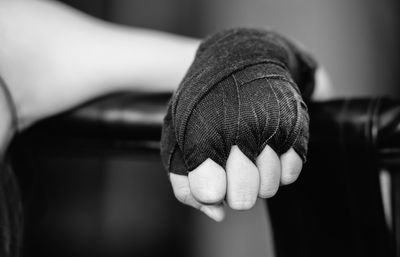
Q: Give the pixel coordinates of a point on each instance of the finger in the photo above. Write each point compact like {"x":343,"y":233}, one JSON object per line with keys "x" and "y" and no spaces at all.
{"x":243,"y":180}
{"x":269,"y":167}
{"x":180,"y":186}
{"x":208,"y":182}
{"x":291,"y":164}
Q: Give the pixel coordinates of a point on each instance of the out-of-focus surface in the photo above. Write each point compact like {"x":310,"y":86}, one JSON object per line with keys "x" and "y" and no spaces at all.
{"x":84,"y":204}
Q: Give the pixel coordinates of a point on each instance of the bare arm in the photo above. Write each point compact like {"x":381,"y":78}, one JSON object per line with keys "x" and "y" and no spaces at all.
{"x":53,"y":57}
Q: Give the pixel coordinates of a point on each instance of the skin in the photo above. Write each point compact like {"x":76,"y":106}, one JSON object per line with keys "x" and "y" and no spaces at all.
{"x":67,"y":58}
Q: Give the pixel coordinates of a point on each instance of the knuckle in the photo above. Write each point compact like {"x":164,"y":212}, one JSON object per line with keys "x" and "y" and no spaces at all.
{"x":241,"y":205}
{"x":242,"y":202}
{"x":268,"y":192}
{"x":210,"y":196}
{"x":182,"y":194}
{"x":289,"y":178}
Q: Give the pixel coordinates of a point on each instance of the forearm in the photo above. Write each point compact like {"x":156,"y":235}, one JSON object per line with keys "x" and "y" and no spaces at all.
{"x":53,"y":57}
{"x":159,"y":60}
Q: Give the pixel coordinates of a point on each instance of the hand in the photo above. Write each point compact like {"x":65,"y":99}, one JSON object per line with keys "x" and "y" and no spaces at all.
{"x":237,"y":127}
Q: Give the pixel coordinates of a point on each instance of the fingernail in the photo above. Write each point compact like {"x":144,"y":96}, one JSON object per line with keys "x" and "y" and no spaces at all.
{"x":216,"y":214}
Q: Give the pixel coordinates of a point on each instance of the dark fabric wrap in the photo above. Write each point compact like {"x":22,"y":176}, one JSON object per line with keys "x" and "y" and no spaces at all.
{"x":246,"y":88}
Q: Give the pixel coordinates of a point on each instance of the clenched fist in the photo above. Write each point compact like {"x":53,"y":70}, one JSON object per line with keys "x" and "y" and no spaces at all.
{"x":237,"y":127}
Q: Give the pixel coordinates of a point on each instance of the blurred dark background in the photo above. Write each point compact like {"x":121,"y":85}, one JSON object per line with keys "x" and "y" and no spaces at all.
{"x":94,"y":204}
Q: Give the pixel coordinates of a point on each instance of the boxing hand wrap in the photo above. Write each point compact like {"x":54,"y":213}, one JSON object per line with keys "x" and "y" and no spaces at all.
{"x":244,"y":88}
